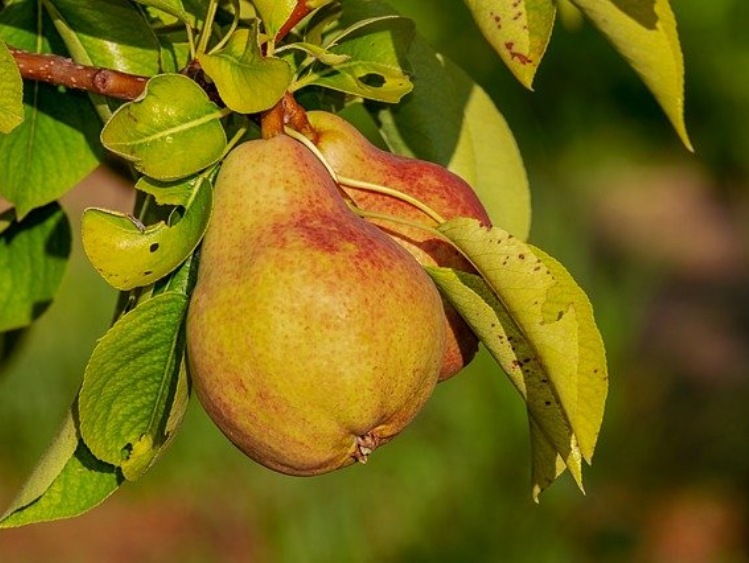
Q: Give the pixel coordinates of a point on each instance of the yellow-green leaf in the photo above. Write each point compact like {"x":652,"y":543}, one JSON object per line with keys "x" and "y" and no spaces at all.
{"x":274,"y":13}
{"x":592,"y":372}
{"x":644,"y":32}
{"x":522,"y":360}
{"x":247,"y":82}
{"x":130,"y":255}
{"x":546,"y":464}
{"x":518,"y":30}
{"x":11,"y":92}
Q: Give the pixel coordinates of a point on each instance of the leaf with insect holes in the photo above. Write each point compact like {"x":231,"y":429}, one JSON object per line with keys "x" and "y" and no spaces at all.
{"x":644,"y":32}
{"x":518,"y":30}
{"x":247,"y":81}
{"x":11,"y":92}
{"x":129,"y":255}
{"x":130,"y":381}
{"x":67,"y":481}
{"x":372,"y":61}
{"x":33,"y":257}
{"x":170,"y":132}
{"x":539,"y":325}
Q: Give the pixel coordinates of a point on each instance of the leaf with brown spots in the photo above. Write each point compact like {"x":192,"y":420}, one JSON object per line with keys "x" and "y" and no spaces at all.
{"x":518,"y":30}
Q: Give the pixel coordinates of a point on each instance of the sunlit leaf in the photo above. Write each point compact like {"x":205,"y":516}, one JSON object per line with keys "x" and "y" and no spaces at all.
{"x":108,"y":33}
{"x":130,"y":255}
{"x":11,"y":92}
{"x":130,"y":382}
{"x":546,"y":464}
{"x":372,"y":63}
{"x":470,"y":136}
{"x":67,"y":481}
{"x":518,"y":30}
{"x":520,"y":356}
{"x":33,"y":258}
{"x":274,"y":13}
{"x":171,"y":132}
{"x":247,"y":82}
{"x":172,"y":7}
{"x":644,"y":32}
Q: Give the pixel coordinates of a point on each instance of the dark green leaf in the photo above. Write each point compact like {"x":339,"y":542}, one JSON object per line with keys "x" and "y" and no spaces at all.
{"x":33,"y":257}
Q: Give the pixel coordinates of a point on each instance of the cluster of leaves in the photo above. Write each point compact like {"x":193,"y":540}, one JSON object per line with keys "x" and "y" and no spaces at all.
{"x":355,"y":56}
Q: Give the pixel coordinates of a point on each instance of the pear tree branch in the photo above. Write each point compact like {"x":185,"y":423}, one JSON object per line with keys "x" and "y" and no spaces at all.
{"x":61,"y":71}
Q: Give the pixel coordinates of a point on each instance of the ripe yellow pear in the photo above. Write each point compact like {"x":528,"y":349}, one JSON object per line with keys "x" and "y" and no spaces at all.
{"x":312,"y":337}
{"x":351,"y":155}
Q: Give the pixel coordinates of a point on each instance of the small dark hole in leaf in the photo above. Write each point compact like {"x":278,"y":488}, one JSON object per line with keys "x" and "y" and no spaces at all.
{"x":125,"y":452}
{"x":154,"y":247}
{"x":547,"y":403}
{"x":147,"y":273}
{"x":373,"y":79}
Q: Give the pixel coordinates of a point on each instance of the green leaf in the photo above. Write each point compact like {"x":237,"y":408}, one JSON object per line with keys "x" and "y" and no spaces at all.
{"x":11,"y":92}
{"x":57,"y":145}
{"x":274,"y":13}
{"x":130,"y":382}
{"x":33,"y":257}
{"x":172,"y":7}
{"x":108,"y":33}
{"x":450,"y":120}
{"x":67,"y":481}
{"x":522,"y":357}
{"x":130,"y":255}
{"x":519,"y":31}
{"x":373,"y":60}
{"x":644,"y":33}
{"x":247,"y":82}
{"x":169,"y":133}
{"x":546,"y":464}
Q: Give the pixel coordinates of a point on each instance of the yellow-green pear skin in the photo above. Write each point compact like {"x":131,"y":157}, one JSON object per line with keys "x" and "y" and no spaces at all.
{"x":312,"y":337}
{"x":350,"y":154}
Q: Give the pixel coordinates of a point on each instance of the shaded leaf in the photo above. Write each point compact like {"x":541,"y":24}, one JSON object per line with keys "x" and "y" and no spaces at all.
{"x":130,"y":255}
{"x":130,"y":384}
{"x":169,"y":133}
{"x":172,"y":7}
{"x":546,"y":464}
{"x":67,"y":481}
{"x":33,"y":258}
{"x":247,"y":82}
{"x":450,"y":120}
{"x":644,"y":32}
{"x":57,"y":145}
{"x":11,"y":92}
{"x":519,"y":31}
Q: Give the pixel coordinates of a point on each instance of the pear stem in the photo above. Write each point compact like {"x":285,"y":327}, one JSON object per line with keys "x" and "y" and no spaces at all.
{"x":360,"y":184}
{"x":369,"y":186}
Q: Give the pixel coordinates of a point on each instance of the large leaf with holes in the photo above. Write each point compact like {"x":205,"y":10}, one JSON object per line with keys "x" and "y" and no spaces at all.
{"x":172,"y":131}
{"x":518,"y":30}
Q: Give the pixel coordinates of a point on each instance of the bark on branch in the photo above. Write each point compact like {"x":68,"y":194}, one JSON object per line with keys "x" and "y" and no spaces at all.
{"x":62,"y":71}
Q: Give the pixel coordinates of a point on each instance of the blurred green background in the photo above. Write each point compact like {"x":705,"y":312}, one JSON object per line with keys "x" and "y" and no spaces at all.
{"x":657,"y":236}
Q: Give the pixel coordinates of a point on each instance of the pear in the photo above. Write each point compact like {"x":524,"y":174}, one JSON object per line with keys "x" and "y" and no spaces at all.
{"x":312,"y":337}
{"x":351,"y":155}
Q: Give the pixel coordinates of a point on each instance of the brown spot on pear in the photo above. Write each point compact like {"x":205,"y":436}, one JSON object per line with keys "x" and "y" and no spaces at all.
{"x":351,"y":154}
{"x":312,"y":336}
